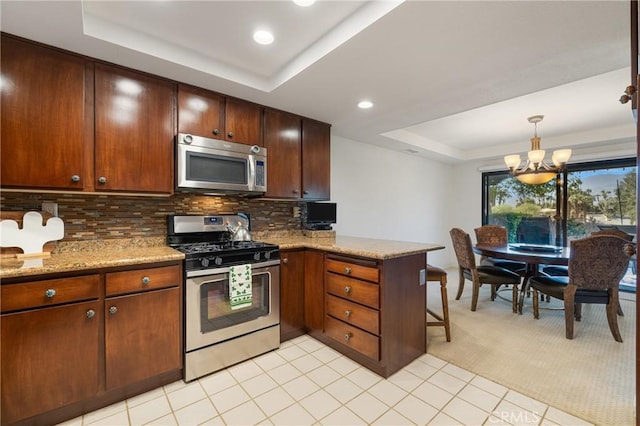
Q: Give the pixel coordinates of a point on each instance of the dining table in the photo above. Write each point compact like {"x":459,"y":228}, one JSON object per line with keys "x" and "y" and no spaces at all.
{"x":533,"y":255}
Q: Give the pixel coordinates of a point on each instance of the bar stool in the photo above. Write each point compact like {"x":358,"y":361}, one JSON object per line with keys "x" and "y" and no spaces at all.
{"x":440,"y":275}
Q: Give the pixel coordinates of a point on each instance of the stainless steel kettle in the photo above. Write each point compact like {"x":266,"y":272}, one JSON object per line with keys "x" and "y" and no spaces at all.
{"x":239,"y":233}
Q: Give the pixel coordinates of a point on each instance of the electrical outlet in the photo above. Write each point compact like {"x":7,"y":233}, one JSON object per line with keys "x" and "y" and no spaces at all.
{"x":51,"y":208}
{"x":296,"y":211}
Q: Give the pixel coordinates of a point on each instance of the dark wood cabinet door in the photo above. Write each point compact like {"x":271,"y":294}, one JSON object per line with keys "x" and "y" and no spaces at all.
{"x":42,"y":136}
{"x":200,"y":112}
{"x":134,"y":131}
{"x":291,"y":294}
{"x":316,"y":159}
{"x":142,"y":336}
{"x":313,"y":291}
{"x":282,"y":140}
{"x":50,"y":358}
{"x":243,"y":122}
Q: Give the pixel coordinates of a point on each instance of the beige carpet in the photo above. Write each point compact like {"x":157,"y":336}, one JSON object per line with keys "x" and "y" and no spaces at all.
{"x":591,"y":376}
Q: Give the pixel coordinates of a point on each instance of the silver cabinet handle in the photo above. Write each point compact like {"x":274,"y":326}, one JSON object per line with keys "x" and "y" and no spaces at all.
{"x":146,"y":280}
{"x":295,"y":191}
{"x":230,"y":134}
{"x":347,"y":270}
{"x":285,"y":260}
{"x":347,"y":289}
{"x":347,"y":336}
{"x":102,"y":180}
{"x":347,"y":313}
{"x":75,"y":178}
{"x":113,"y":310}
{"x":50,"y":293}
{"x":91,"y":313}
{"x":216,"y":131}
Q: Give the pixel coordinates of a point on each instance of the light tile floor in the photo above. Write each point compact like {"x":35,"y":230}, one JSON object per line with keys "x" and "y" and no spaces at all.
{"x":305,"y":382}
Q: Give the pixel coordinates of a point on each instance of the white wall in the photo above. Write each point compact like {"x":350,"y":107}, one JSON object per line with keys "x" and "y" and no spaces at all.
{"x":390,"y":195}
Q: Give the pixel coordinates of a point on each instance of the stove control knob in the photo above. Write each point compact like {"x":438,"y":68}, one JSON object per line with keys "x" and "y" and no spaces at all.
{"x":267,"y":255}
{"x":217,"y":260}
{"x":256,"y":256}
{"x":204,"y":262}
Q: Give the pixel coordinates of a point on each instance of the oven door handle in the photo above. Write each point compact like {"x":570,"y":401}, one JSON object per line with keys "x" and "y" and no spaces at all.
{"x":226,"y":270}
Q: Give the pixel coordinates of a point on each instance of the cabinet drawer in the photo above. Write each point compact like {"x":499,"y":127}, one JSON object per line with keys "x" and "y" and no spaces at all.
{"x":48,"y":292}
{"x":356,"y":271}
{"x":354,"y":314}
{"x":363,"y":342}
{"x":142,"y":280}
{"x":355,"y":290}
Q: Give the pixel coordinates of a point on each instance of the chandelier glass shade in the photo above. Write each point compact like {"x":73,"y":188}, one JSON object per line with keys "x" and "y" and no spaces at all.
{"x":536,"y":171}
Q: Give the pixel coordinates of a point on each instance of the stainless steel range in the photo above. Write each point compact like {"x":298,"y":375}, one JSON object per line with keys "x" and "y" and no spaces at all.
{"x":232,"y":292}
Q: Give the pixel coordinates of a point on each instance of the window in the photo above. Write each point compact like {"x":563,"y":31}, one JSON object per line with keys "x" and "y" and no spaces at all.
{"x":600,"y":195}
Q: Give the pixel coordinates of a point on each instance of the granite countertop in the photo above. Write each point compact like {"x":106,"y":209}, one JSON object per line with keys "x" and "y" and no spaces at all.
{"x":85,"y":255}
{"x":355,"y":246}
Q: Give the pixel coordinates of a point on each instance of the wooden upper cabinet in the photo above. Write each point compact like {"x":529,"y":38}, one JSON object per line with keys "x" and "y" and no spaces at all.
{"x":243,"y":122}
{"x":43,"y":121}
{"x":200,"y":112}
{"x":316,"y":160}
{"x":212,"y":115}
{"x":134,"y":131}
{"x":282,"y":140}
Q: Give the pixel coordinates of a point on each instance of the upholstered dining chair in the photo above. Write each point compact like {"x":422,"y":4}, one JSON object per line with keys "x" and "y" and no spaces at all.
{"x":479,"y":275}
{"x":596,"y":265}
{"x":496,"y":235}
{"x":559,"y":270}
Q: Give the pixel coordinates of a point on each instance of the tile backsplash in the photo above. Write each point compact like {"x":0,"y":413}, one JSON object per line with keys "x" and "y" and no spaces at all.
{"x":91,"y":217}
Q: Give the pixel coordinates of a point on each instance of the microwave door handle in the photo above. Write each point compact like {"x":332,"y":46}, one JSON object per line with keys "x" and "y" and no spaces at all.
{"x":251,"y":179}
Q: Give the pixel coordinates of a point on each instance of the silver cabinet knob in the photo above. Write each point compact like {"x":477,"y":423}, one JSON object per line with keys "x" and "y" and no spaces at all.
{"x":347,"y":336}
{"x":216,"y":131}
{"x":146,"y":280}
{"x":347,"y":270}
{"x":102,"y":180}
{"x":230,"y":134}
{"x":113,"y":310}
{"x":91,"y":313}
{"x":187,"y":139}
{"x":285,"y":260}
{"x":75,"y":178}
{"x":347,"y":289}
{"x":347,"y":313}
{"x":295,"y":191}
{"x":50,"y":293}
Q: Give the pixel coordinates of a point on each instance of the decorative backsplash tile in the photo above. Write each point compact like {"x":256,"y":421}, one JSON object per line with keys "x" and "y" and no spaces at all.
{"x":97,"y":217}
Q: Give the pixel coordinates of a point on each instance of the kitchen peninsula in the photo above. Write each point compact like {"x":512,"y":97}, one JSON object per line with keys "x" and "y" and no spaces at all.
{"x":364,"y":297}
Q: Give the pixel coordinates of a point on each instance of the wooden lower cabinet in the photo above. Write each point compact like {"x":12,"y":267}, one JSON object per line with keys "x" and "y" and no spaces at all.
{"x":67,"y":349}
{"x":291,"y":294}
{"x":314,"y":292}
{"x":50,"y":358}
{"x":374,"y":310}
{"x":142,"y":336}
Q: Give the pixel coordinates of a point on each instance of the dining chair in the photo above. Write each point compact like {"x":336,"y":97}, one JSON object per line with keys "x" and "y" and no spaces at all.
{"x":534,"y":230}
{"x":496,"y":235}
{"x":596,"y":265}
{"x":482,"y":274}
{"x":560,"y":270}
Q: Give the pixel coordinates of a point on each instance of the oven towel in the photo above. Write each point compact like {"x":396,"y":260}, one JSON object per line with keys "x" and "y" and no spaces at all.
{"x":240,"y":291}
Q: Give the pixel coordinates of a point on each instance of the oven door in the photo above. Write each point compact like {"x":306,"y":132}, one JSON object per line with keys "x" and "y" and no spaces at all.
{"x":210,"y":318}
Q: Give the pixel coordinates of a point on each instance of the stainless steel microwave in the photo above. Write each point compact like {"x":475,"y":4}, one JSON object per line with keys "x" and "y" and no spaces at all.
{"x":220,"y":167}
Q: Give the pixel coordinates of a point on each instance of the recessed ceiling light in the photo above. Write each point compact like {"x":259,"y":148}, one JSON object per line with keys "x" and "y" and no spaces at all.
{"x":263,"y":37}
{"x":365,"y":104}
{"x":304,"y":3}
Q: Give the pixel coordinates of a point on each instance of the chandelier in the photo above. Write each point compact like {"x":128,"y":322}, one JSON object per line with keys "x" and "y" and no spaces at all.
{"x":536,"y":171}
